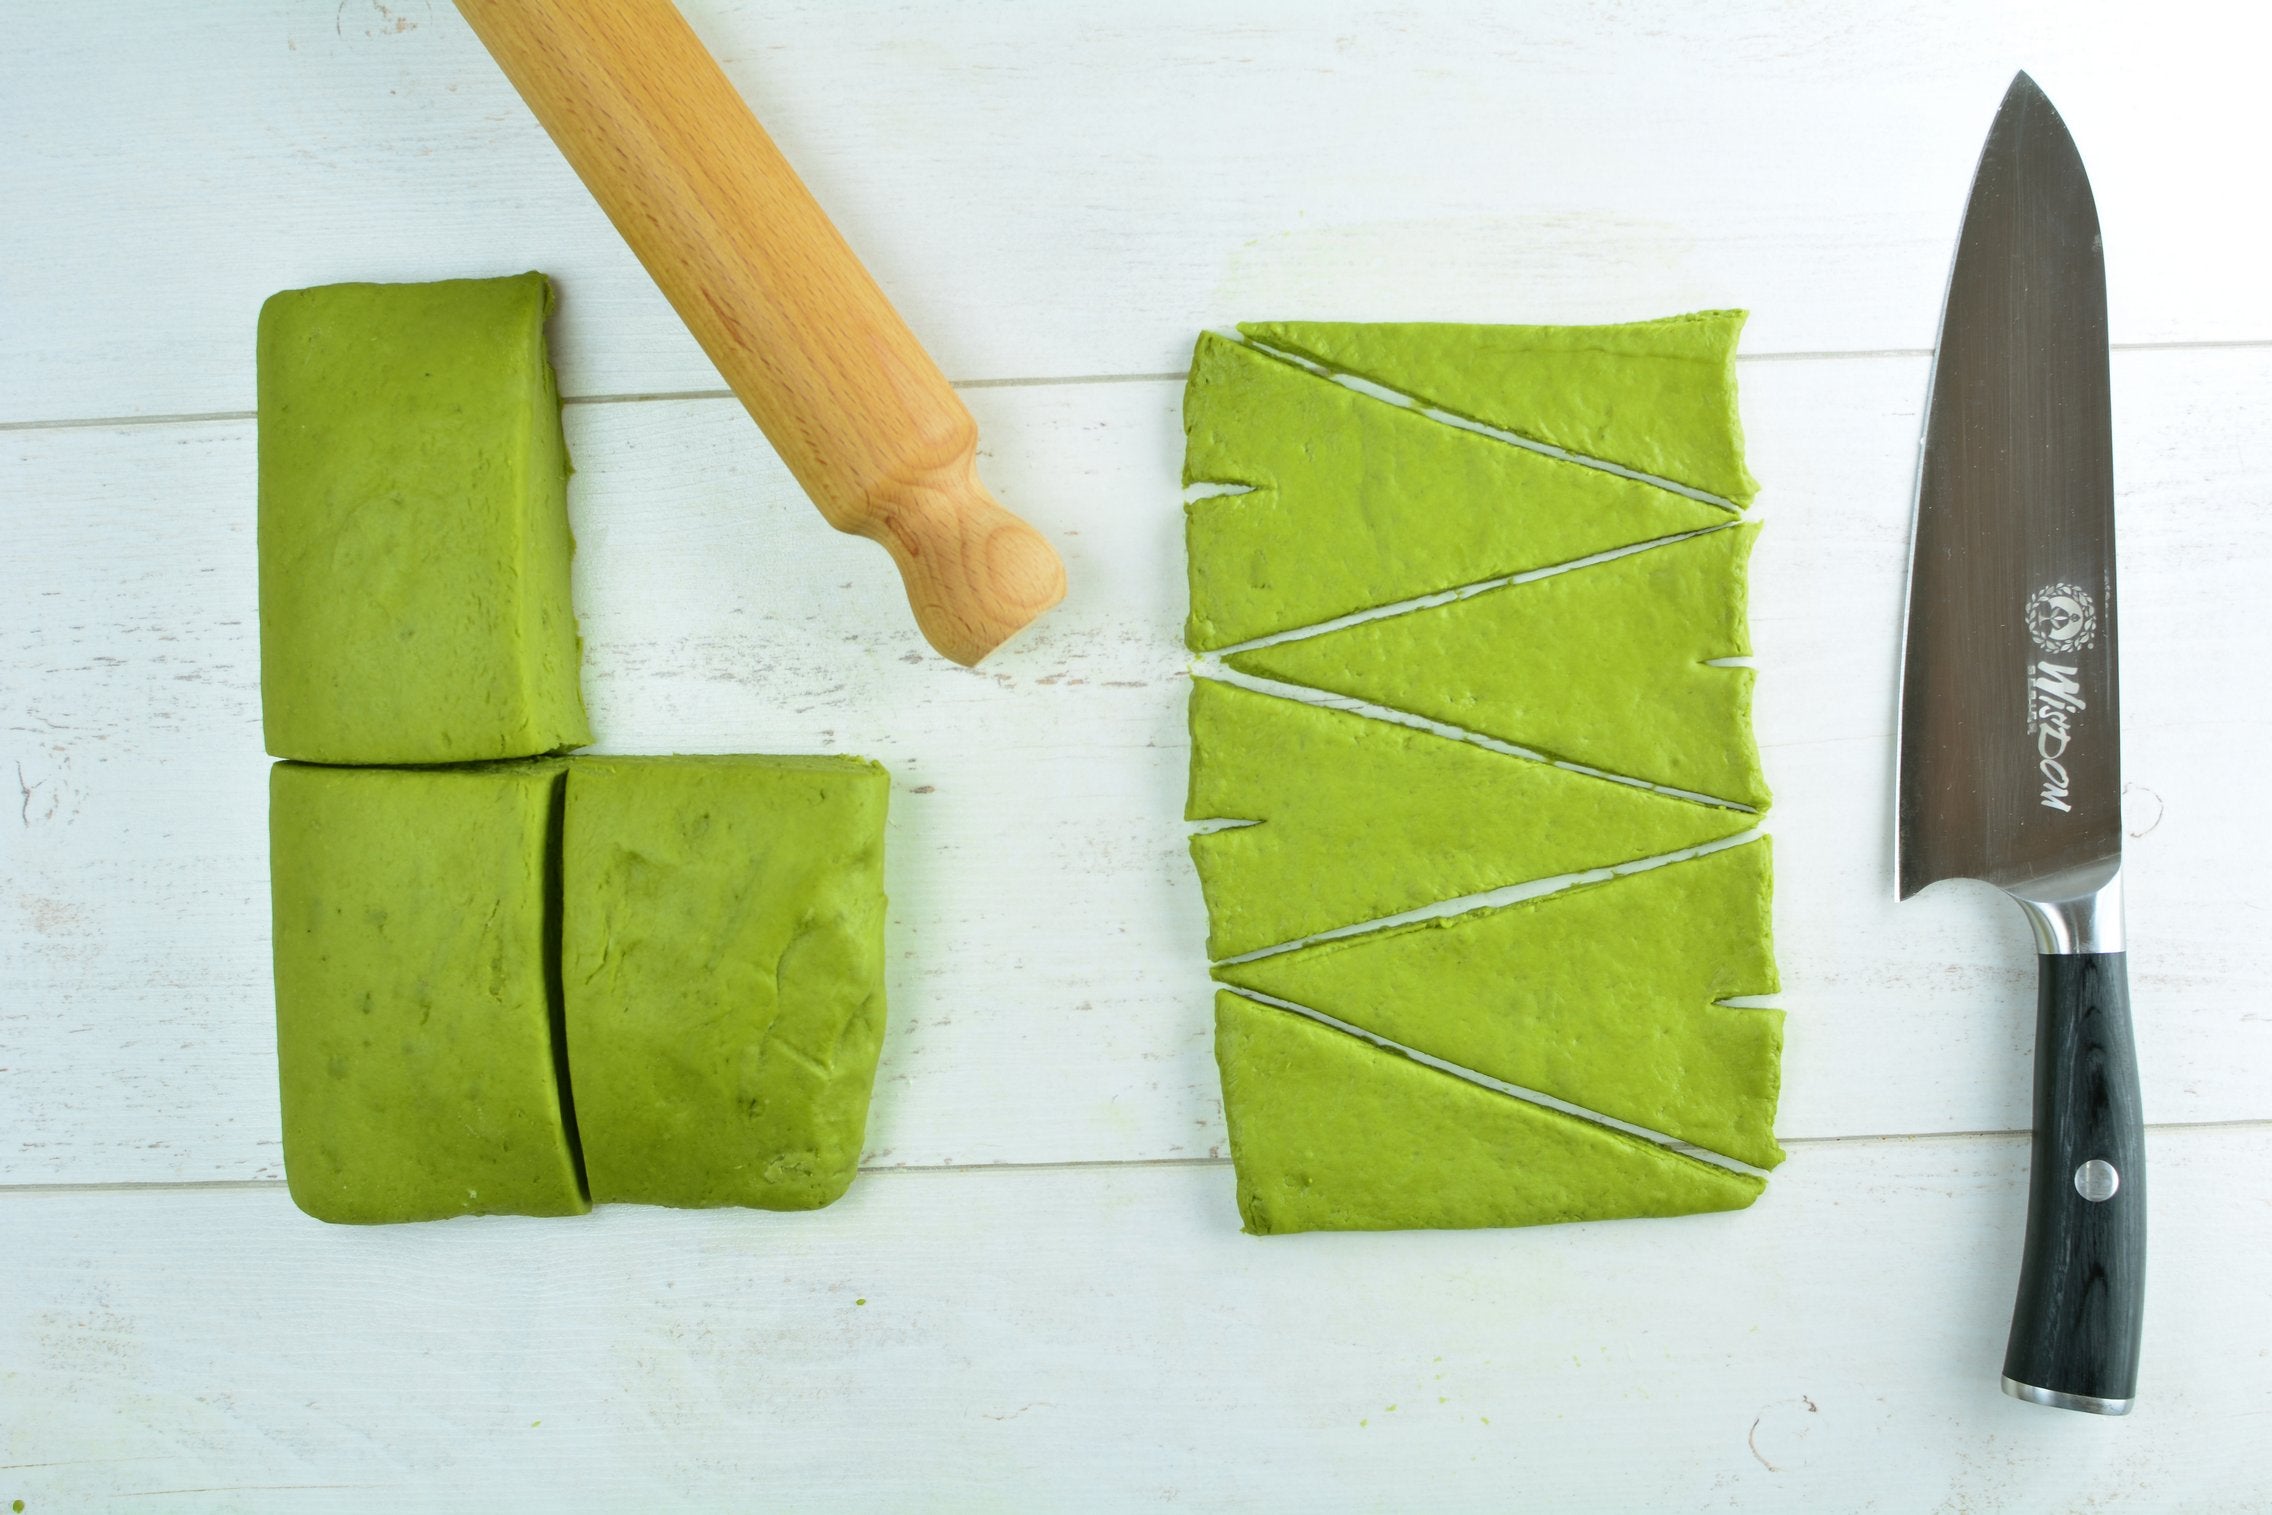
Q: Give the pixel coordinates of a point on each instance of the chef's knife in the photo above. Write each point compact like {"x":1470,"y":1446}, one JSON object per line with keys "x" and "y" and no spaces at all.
{"x":2011,"y":767}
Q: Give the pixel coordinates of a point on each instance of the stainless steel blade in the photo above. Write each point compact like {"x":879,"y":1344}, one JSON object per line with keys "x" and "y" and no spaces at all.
{"x":2011,"y":767}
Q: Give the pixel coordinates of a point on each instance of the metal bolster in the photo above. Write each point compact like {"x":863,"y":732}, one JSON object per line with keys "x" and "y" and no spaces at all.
{"x":2089,"y":1403}
{"x":2075,"y":912}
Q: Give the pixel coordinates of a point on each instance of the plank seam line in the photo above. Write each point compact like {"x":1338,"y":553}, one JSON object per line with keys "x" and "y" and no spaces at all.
{"x":627,"y":397}
{"x":97,"y":423}
{"x":247,"y":1488}
{"x":1022,"y":381}
{"x":191,"y":417}
{"x":1042,"y":382}
{"x":1084,"y":1165}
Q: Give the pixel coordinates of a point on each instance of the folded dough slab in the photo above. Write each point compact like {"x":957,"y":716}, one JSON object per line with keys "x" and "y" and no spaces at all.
{"x":723,"y":963}
{"x":415,"y":992}
{"x":1330,"y":1132}
{"x":414,"y":537}
{"x":1354,"y":502}
{"x":1604,"y":665}
{"x":1604,"y":996}
{"x":1360,"y":819}
{"x":1658,"y":397}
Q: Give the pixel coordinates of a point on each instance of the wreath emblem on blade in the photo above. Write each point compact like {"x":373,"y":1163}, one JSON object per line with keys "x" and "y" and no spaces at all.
{"x":2061,"y":618}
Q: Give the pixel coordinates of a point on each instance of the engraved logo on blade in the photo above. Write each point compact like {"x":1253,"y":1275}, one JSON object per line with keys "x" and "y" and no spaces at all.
{"x":2061,"y":618}
{"x":2054,"y":701}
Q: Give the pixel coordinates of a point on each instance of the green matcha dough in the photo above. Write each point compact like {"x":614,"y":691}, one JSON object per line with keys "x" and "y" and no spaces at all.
{"x":414,"y":537}
{"x":1360,"y":819}
{"x":1658,"y":397}
{"x":1355,"y":502}
{"x":415,"y":1011}
{"x":1604,"y":996}
{"x":1603,"y":665}
{"x":724,"y":967}
{"x":1332,"y":1133}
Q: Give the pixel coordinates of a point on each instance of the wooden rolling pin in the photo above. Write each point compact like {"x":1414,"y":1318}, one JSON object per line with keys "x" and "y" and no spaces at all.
{"x":850,"y":400}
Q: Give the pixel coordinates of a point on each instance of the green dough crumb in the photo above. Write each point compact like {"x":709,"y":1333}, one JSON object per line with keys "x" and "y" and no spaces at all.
{"x":1658,"y":397}
{"x":723,"y":962}
{"x":1603,"y":995}
{"x":1603,"y":665}
{"x":414,"y":545}
{"x":1355,"y":502}
{"x":1361,"y":819}
{"x":1329,"y":1132}
{"x":414,"y":992}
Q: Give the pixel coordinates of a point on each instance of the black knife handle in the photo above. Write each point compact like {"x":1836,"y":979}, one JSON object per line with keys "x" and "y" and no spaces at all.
{"x":2083,"y":1271}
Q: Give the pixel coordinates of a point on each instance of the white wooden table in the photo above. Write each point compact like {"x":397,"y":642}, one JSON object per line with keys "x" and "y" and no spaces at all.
{"x":1037,"y":1296}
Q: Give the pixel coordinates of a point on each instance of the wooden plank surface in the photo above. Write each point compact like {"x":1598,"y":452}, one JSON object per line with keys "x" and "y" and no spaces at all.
{"x":1048,"y":191}
{"x":1048,"y":990}
{"x":1104,"y":1339}
{"x":1060,"y":1313}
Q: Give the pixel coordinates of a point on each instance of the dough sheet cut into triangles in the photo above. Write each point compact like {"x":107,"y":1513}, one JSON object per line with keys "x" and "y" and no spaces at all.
{"x":1604,"y":996}
{"x":1485,"y":537}
{"x":1330,"y":1132}
{"x":1604,"y":665}
{"x":1361,"y":818}
{"x":1355,"y":502}
{"x":1658,"y":397}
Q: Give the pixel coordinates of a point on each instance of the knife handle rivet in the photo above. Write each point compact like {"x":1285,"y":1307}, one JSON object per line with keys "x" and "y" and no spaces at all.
{"x":2096,"y":1180}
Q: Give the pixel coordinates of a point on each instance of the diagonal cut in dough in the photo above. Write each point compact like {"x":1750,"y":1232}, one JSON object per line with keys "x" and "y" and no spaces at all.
{"x":1658,"y":397}
{"x":1330,"y":1132}
{"x":1362,"y":819}
{"x":1604,"y":995}
{"x":1603,"y":665}
{"x":1355,"y":503}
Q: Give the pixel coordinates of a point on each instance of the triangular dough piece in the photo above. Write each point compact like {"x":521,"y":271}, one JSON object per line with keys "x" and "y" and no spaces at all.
{"x":1362,"y":818}
{"x":1603,"y":665}
{"x":1604,"y":996}
{"x":1331,"y":1133}
{"x":1356,"y":502}
{"x":1658,"y":397}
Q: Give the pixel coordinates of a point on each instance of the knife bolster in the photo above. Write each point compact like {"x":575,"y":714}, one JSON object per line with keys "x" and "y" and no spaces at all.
{"x":2079,"y":911}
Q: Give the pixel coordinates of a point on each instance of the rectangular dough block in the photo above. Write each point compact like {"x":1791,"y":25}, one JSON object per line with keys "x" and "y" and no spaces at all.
{"x":415,"y":992}
{"x":414,"y":545}
{"x":723,"y":967}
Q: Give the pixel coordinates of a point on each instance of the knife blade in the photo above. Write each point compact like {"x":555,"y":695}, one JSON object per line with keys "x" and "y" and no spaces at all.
{"x":2010,"y":752}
